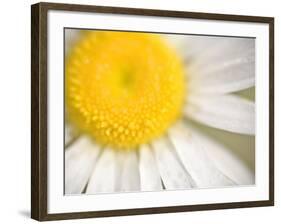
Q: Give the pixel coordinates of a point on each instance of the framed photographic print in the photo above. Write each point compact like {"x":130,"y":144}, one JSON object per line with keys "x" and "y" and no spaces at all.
{"x":138,"y":111}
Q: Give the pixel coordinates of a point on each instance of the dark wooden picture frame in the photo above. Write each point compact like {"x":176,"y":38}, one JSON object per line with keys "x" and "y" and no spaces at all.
{"x":39,"y":106}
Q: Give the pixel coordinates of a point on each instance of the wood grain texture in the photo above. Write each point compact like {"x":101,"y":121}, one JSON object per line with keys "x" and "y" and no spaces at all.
{"x":38,"y":112}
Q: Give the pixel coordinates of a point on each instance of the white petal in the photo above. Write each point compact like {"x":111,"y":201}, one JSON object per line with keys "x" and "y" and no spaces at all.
{"x":69,"y":134}
{"x":191,"y":47}
{"x":130,"y":177}
{"x":227,"y":112}
{"x":195,"y":159}
{"x":105,"y":177}
{"x":224,"y":159}
{"x":221,"y":49}
{"x":228,"y":65}
{"x":172,"y":172}
{"x":150,"y":179}
{"x":80,"y":160}
{"x":230,"y":78}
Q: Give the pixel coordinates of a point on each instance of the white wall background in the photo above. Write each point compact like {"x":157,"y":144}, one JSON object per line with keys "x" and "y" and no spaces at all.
{"x":15,"y":111}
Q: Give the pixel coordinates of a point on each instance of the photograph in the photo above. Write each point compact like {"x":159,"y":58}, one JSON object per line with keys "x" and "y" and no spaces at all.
{"x":157,"y":111}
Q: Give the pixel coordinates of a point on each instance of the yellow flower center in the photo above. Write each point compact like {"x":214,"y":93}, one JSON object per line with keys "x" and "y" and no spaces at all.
{"x":123,"y":89}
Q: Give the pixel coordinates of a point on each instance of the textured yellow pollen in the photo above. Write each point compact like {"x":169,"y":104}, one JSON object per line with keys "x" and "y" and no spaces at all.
{"x":123,"y":89}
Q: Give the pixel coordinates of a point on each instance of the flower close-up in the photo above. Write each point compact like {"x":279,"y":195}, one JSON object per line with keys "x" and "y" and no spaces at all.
{"x":152,"y":112}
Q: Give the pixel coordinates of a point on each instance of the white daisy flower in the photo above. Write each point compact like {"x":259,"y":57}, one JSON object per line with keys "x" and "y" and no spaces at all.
{"x":132,"y":100}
